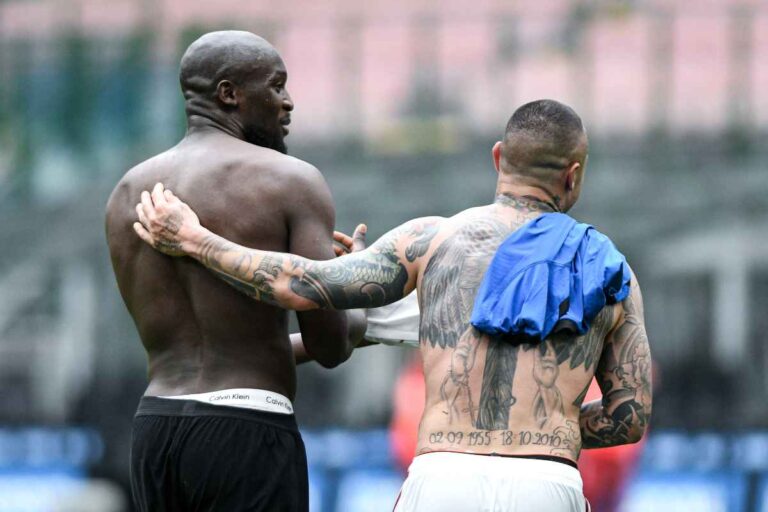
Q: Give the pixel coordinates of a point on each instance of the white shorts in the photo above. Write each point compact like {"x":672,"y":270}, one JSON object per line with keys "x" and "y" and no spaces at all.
{"x":462,"y":482}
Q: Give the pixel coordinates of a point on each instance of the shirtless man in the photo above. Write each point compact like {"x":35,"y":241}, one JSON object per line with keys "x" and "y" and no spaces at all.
{"x":224,"y":436}
{"x":517,"y":400}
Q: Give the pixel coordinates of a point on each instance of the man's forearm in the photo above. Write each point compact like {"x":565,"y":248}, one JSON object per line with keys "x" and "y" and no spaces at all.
{"x":263,"y":275}
{"x":356,"y":327}
{"x":365,"y":279}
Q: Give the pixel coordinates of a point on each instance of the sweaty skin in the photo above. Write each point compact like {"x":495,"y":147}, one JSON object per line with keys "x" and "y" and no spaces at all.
{"x":484,"y":395}
{"x":200,"y":334}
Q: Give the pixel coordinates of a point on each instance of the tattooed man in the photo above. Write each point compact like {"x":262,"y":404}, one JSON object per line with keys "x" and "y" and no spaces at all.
{"x":504,"y":421}
{"x":215,"y":429}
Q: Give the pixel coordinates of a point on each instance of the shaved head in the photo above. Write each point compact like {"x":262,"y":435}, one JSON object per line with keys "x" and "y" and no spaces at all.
{"x":542,"y":138}
{"x":227,"y":55}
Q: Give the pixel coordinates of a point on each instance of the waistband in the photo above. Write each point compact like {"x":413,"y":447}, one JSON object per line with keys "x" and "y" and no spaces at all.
{"x":553,"y":469}
{"x":161,"y":406}
{"x":243,"y":398}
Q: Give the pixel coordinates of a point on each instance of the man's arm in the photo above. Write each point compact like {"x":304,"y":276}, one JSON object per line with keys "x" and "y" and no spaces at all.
{"x":624,"y":376}
{"x":327,"y":337}
{"x":379,"y":275}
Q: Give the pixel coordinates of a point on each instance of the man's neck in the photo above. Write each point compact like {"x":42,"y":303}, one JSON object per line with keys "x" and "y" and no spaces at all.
{"x":212,"y":123}
{"x":527,"y":197}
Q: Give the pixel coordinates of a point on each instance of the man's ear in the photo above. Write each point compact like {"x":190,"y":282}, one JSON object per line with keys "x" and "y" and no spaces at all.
{"x":496,"y":155}
{"x":225,"y":93}
{"x":571,"y":176}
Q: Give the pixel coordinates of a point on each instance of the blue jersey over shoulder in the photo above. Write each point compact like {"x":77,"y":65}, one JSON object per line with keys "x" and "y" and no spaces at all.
{"x":552,"y":272}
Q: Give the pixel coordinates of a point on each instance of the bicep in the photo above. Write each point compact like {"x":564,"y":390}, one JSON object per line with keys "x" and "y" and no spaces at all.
{"x":310,"y":220}
{"x":366,"y":279}
{"x":625,"y":366}
{"x":382,"y":274}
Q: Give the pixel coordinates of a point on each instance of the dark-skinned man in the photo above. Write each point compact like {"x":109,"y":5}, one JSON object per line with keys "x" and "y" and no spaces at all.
{"x":215,"y":429}
{"x":520,"y":307}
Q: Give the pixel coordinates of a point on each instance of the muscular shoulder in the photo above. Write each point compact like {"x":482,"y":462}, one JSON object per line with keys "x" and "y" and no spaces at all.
{"x":305,"y":190}
{"x":305,"y":179}
{"x":419,"y":224}
{"x":260,"y":182}
{"x":420,"y":228}
{"x":142,"y":176}
{"x":478,"y":223}
{"x":279,"y":174}
{"x":125,"y":194}
{"x":120,"y":212}
{"x":469,"y":216}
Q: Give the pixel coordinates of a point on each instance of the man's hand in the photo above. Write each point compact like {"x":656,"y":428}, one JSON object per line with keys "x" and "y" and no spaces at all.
{"x":346,"y":244}
{"x":165,"y":222}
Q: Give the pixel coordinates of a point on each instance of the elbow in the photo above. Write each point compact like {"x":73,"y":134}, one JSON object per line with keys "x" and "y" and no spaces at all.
{"x":356,"y":327}
{"x":329,"y":352}
{"x":285,"y":298}
{"x":635,"y":435}
{"x":638,"y":430}
{"x":333,"y":360}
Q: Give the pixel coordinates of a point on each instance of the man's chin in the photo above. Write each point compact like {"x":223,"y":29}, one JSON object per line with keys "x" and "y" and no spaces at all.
{"x":276,"y":142}
{"x":281,"y":147}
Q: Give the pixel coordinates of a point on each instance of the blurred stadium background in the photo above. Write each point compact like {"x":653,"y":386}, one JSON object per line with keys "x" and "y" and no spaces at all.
{"x":398,"y":104}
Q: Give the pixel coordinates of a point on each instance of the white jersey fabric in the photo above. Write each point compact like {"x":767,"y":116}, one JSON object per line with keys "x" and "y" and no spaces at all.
{"x":462,"y":482}
{"x":396,"y":323}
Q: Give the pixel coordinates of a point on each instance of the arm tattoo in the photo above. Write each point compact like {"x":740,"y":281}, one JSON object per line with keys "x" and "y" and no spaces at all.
{"x":359,"y":281}
{"x":255,"y":282}
{"x":365,"y":279}
{"x":370,"y":278}
{"x":624,"y":374}
{"x":423,"y":235}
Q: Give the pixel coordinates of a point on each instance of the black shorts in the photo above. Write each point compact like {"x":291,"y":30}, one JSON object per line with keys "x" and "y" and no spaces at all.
{"x":190,"y":456}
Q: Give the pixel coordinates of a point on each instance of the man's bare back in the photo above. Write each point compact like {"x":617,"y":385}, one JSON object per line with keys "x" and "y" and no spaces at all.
{"x":485,"y":394}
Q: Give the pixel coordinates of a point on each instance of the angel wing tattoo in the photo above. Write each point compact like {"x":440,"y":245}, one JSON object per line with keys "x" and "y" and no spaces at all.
{"x":452,"y":278}
{"x":449,"y":286}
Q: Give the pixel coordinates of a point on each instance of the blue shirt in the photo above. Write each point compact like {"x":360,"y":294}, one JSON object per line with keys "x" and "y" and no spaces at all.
{"x":552,"y":272}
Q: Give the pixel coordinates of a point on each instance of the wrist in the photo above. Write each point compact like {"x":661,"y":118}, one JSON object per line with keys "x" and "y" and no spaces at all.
{"x":192,"y":240}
